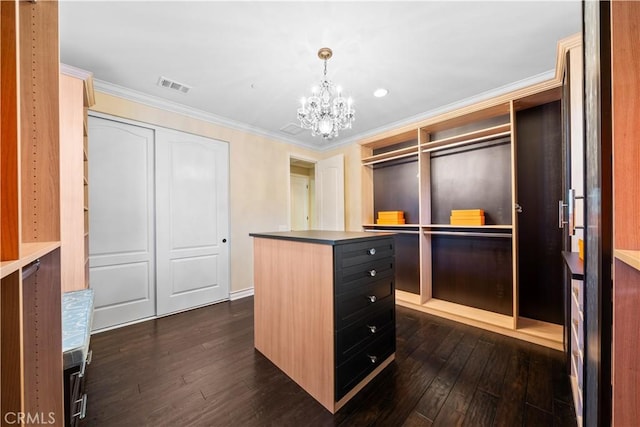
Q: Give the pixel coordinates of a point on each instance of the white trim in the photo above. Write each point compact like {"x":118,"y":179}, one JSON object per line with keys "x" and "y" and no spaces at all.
{"x":233,"y":296}
{"x":157,"y":102}
{"x":75,"y":72}
{"x":511,"y":87}
{"x":166,"y":105}
{"x":121,"y":325}
{"x":243,"y":293}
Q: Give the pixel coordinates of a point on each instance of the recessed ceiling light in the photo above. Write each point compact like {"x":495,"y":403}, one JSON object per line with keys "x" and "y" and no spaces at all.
{"x":379,"y":93}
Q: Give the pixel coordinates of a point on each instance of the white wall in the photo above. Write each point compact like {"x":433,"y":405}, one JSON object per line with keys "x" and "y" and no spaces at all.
{"x":258,"y":181}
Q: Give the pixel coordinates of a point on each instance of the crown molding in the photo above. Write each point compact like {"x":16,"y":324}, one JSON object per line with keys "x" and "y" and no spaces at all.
{"x":175,"y":107}
{"x":156,"y":102}
{"x":75,"y":72}
{"x":563,"y":47}
{"x":414,"y":121}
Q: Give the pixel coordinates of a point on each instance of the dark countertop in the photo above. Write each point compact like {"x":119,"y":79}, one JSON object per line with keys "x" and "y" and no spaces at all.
{"x":575,"y":265}
{"x":321,"y":236}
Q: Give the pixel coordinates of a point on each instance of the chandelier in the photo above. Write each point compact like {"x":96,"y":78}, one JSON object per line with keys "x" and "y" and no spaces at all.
{"x":324,"y":112}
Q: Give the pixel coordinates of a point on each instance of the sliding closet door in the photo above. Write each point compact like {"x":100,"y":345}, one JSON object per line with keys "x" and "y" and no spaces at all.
{"x":192,"y":221}
{"x":121,"y":242}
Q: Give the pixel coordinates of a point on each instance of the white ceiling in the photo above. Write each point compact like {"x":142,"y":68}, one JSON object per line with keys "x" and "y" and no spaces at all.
{"x":249,"y":63}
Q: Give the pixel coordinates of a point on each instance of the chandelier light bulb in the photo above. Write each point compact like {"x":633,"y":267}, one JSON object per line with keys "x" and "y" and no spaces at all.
{"x":326,"y":112}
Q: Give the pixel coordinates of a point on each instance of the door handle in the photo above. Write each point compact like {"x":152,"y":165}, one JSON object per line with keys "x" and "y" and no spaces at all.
{"x":561,"y":206}
{"x":571,"y":197}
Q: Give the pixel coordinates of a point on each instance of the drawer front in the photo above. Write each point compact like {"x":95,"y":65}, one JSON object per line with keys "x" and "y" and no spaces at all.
{"x":363,"y":363}
{"x":577,"y":366}
{"x":363,"y":274}
{"x":363,"y":252}
{"x":362,"y":301}
{"x":576,"y":292}
{"x":577,"y":324}
{"x":360,"y":334}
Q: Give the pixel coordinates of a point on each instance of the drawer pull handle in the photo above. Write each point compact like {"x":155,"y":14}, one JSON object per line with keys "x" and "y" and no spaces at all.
{"x":372,"y":273}
{"x":83,"y":407}
{"x":575,"y":322}
{"x":372,"y":298}
{"x":372,"y":328}
{"x":373,"y":359}
{"x":372,"y":251}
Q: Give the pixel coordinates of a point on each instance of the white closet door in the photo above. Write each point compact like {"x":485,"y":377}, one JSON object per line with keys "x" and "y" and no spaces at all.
{"x":299,"y":197}
{"x":330,"y":193}
{"x":192,"y":220}
{"x":121,"y":237}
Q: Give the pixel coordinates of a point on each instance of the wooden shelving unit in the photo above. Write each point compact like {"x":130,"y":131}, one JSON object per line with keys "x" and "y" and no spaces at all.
{"x":481,"y":135}
{"x":480,"y":128}
{"x":625,"y":55}
{"x":400,"y":153}
{"x":76,"y":96}
{"x":30,"y":296}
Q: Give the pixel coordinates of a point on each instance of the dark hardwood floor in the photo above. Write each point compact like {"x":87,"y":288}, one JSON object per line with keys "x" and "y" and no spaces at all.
{"x":199,"y":368}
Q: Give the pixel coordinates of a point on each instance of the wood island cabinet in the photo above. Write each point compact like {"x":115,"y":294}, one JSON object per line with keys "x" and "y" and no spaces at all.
{"x":325,"y":308}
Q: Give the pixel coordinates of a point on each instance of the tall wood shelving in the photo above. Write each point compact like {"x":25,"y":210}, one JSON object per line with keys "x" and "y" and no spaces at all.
{"x":30,"y":326}
{"x":488,"y":123}
{"x":625,"y":55}
{"x":76,"y":97}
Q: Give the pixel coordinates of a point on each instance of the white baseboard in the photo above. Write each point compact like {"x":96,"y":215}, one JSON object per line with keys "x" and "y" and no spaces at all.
{"x":235,"y":295}
{"x":243,"y":293}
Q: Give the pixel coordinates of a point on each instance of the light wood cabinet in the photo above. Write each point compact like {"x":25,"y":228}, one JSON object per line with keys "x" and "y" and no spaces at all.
{"x":30,"y":292}
{"x":464,"y":159}
{"x":76,"y":97}
{"x":324,"y":308}
{"x":625,"y":55}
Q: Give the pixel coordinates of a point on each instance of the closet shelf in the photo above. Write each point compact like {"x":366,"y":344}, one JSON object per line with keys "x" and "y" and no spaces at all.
{"x":390,"y":155}
{"x":468,"y":138}
{"x":631,"y":258}
{"x":467,"y":233}
{"x":482,"y":227}
{"x":391,"y":225}
{"x":29,"y":253}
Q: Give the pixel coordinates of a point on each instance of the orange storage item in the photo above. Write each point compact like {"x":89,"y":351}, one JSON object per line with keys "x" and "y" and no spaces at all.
{"x":467,"y":212}
{"x":467,"y":220}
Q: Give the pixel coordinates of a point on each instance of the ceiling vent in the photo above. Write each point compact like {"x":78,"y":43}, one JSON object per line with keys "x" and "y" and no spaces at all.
{"x":292,"y":129}
{"x":172,"y":84}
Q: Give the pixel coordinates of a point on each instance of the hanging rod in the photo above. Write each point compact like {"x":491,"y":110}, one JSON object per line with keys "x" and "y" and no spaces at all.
{"x":32,"y":268}
{"x":467,"y":234}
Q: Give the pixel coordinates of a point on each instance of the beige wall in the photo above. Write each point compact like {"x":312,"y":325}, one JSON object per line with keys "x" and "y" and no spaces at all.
{"x":258,"y":177}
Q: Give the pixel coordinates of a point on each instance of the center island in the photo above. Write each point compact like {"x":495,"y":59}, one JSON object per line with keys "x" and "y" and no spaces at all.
{"x":324,"y":308}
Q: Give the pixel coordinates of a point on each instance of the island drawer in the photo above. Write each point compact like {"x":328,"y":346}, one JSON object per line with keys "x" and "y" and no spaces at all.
{"x":363,"y":252}
{"x":355,"y":337}
{"x":362,"y":274}
{"x":354,"y":370}
{"x":362,"y":301}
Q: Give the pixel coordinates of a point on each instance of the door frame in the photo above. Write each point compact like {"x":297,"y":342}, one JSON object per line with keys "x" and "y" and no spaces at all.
{"x":312,"y":206}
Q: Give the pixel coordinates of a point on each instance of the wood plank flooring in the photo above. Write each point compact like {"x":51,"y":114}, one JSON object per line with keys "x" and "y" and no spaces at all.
{"x":199,"y":368}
